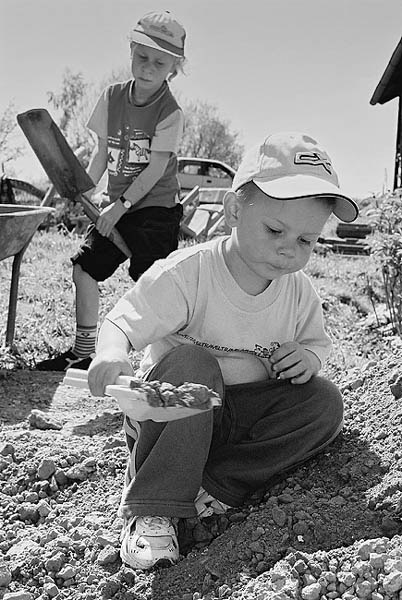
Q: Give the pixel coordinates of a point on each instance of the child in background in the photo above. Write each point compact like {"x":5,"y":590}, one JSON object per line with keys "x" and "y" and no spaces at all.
{"x":239,"y":315}
{"x":139,"y":126}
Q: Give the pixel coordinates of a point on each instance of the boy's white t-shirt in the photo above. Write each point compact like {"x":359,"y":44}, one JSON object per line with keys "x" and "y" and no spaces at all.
{"x":191,"y":298}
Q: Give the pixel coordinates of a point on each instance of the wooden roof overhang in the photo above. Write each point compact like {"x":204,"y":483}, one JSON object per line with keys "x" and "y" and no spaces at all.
{"x":390,"y":84}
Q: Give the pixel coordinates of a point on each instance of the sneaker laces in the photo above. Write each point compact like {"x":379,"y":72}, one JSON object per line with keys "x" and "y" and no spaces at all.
{"x":157,"y":525}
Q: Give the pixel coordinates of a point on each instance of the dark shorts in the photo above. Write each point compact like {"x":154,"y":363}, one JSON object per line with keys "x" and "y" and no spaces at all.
{"x":150,"y":233}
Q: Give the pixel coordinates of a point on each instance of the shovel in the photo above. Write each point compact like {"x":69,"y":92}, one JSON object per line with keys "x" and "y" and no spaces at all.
{"x":61,"y":165}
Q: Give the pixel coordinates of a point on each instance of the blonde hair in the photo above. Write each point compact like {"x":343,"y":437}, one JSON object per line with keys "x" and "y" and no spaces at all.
{"x":178,"y":65}
{"x":247,"y":192}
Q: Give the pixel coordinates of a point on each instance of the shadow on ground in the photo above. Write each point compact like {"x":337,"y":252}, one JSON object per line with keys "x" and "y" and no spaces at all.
{"x":23,"y":390}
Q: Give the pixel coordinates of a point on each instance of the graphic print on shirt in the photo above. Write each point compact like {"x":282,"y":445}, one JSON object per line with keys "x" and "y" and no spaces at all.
{"x":112,"y":159}
{"x":128,"y":152}
{"x":139,"y":151}
{"x":260,"y":351}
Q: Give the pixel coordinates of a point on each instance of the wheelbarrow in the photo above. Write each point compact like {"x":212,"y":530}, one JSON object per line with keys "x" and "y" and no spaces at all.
{"x":18,"y":224}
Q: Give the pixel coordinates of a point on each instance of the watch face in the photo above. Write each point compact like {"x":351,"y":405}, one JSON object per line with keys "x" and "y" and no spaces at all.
{"x":126,"y":204}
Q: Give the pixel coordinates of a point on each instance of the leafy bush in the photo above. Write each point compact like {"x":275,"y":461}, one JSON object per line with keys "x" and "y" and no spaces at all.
{"x":386,"y":246}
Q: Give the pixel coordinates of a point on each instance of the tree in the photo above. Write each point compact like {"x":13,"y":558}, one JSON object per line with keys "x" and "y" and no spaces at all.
{"x":9,"y":148}
{"x":207,"y":135}
{"x":74,"y":103}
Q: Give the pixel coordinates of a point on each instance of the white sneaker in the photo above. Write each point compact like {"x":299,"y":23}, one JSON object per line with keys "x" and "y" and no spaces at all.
{"x":206,"y":505}
{"x":147,"y":541}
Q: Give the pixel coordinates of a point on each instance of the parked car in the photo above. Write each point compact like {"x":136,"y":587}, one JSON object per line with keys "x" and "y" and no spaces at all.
{"x":204,"y":172}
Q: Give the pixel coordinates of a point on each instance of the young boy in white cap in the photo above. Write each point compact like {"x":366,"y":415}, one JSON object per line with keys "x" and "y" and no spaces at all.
{"x":238,"y":315}
{"x":139,"y":126}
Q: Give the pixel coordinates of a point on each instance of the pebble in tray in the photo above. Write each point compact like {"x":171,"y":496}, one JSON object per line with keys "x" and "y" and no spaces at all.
{"x":190,"y":395}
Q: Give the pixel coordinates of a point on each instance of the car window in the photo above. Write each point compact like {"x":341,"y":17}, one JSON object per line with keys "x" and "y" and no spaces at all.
{"x":218,"y":172}
{"x":188,"y":168}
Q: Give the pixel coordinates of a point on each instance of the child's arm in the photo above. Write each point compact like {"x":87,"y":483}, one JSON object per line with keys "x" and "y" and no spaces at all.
{"x":148,"y":177}
{"x":98,"y":161}
{"x":111,"y":358}
{"x":301,"y":358}
{"x":137,"y":190}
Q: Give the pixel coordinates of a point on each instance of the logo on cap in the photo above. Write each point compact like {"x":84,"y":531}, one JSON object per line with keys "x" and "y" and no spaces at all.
{"x":161,"y":29}
{"x":313,"y":158}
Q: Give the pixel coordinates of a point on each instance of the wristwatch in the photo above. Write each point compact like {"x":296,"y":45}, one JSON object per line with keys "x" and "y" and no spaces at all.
{"x":126,"y":203}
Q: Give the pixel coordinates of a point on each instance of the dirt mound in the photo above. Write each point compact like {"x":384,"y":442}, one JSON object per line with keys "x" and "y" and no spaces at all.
{"x":62,"y":461}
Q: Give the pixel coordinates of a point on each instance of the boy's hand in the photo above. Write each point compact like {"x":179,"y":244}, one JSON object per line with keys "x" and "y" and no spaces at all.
{"x":105,"y":368}
{"x":292,"y":361}
{"x":109,"y":217}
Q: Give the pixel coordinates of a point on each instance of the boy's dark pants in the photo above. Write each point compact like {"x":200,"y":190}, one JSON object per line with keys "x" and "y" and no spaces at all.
{"x":263,"y":429}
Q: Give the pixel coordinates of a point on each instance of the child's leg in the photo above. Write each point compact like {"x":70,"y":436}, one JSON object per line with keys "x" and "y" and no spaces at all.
{"x":167,"y":459}
{"x":96,"y":260}
{"x":268,"y":428}
{"x":86,"y":311}
{"x":86,"y":297}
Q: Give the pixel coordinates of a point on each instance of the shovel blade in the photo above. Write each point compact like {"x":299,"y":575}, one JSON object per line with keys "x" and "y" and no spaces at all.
{"x":54,"y":153}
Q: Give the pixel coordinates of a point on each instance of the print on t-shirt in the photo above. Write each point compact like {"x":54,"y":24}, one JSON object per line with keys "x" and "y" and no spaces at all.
{"x":112,"y":159}
{"x":139,"y":151}
{"x":128,"y":155}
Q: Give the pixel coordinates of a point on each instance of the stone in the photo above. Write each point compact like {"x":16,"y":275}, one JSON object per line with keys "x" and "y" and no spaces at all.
{"x":311,"y":592}
{"x":393,"y":582}
{"x":279,"y":516}
{"x":28,"y":512}
{"x":40,"y":420}
{"x":363,"y":589}
{"x":20,"y":595}
{"x":43,"y":508}
{"x":108,"y":555}
{"x":5,"y":575}
{"x":22,"y":548}
{"x":67,"y":572}
{"x":77,"y":473}
{"x":51,"y":589}
{"x":46,"y":469}
{"x":55,"y":562}
{"x":7,"y":449}
{"x":396,"y":389}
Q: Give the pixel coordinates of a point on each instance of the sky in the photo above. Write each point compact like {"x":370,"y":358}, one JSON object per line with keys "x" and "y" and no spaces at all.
{"x":267,"y":65}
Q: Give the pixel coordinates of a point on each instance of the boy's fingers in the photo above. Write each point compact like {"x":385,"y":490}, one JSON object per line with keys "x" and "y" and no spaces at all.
{"x":96,"y":388}
{"x":294,"y":371}
{"x":283,"y":351}
{"x":287,"y":362}
{"x":303,"y":378}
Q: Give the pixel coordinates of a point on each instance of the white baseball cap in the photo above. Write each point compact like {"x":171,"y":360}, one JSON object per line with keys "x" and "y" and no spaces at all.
{"x":160,"y":30}
{"x":292,"y":165}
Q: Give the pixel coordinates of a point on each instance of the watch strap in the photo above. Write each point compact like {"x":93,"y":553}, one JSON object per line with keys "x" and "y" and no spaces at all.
{"x":126,"y":203}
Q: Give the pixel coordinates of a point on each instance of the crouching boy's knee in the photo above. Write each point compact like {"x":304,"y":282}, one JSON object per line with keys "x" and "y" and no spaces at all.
{"x":188,"y":362}
{"x":329,"y":405}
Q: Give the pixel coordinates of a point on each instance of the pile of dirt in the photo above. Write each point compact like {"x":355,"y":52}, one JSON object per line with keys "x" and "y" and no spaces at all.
{"x":330,"y":529}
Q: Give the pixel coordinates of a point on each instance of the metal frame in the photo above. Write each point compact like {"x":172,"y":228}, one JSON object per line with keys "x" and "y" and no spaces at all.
{"x":27,"y":190}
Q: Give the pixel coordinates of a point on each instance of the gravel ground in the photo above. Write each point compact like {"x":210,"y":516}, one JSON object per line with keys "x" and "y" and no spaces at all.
{"x":330,"y":529}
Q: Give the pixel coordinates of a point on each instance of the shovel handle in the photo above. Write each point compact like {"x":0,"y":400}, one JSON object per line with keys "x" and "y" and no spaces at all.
{"x":115,"y":237}
{"x":93,"y":213}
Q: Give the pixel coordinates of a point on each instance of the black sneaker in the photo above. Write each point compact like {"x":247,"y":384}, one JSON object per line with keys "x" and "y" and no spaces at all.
{"x":65,"y":361}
